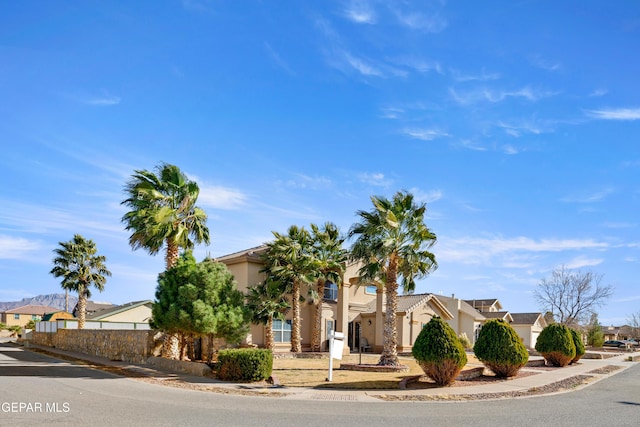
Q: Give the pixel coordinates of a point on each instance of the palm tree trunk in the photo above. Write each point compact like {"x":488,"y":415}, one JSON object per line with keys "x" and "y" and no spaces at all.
{"x":317,"y":317}
{"x":296,"y":346}
{"x":82,"y":309}
{"x":389,"y":356}
{"x":268,"y":339}
{"x":173,"y":253}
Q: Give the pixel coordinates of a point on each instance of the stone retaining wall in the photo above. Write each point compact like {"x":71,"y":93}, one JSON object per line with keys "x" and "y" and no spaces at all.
{"x":125,"y":345}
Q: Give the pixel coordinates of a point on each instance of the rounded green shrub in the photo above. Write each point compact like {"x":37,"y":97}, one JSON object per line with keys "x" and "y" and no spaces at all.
{"x":555,"y":343}
{"x":500,"y":348}
{"x":245,"y":364}
{"x":439,"y":352}
{"x":577,"y":341}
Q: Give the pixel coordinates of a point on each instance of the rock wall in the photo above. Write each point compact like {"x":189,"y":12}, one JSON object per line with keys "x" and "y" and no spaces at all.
{"x":126,"y":345}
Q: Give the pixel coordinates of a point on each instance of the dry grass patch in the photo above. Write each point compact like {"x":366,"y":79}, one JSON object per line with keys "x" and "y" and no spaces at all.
{"x":293,"y":372}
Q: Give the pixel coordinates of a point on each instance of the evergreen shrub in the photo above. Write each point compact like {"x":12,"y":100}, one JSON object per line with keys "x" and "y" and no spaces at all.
{"x":577,"y":341}
{"x":439,"y":352}
{"x":500,"y":348}
{"x":555,"y":343}
{"x":245,"y":364}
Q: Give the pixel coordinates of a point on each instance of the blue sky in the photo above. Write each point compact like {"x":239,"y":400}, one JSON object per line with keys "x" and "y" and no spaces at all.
{"x":516,"y":122}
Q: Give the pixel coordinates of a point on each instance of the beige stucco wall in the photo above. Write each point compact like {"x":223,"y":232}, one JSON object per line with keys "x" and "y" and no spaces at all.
{"x":10,"y":320}
{"x":140,"y":314}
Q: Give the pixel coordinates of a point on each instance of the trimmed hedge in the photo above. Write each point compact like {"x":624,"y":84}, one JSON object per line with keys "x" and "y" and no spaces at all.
{"x":500,"y":348}
{"x":245,"y":364}
{"x":439,"y":352}
{"x":577,"y":341}
{"x":555,"y":343}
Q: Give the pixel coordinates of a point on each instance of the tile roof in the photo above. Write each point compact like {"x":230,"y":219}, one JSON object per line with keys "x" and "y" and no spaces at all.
{"x":496,"y":314}
{"x":482,"y":303}
{"x":32,"y":309}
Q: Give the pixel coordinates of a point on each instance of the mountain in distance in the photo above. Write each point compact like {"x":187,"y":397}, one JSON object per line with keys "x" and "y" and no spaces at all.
{"x":51,"y":300}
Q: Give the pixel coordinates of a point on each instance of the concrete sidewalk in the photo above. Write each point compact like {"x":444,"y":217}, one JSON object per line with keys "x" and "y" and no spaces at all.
{"x":591,"y":370}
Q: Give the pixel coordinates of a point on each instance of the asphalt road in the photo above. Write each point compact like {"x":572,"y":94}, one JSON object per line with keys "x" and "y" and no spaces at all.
{"x":40,"y":390}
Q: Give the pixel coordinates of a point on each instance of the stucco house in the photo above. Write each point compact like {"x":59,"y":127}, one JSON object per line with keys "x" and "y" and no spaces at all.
{"x":358,"y":310}
{"x":20,"y":316}
{"x":136,"y":311}
{"x":528,"y":326}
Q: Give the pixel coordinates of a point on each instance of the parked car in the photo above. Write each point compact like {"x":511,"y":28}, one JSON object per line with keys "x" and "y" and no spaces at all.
{"x":614,"y":343}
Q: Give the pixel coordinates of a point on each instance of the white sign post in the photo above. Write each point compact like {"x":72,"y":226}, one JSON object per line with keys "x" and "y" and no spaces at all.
{"x":336,"y":346}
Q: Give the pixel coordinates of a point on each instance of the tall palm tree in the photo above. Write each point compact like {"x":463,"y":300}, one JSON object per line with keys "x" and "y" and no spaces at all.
{"x":329,"y":258}
{"x":267,"y":301}
{"x":392,"y":242}
{"x":80,"y":268}
{"x":288,"y":258}
{"x":164,"y":212}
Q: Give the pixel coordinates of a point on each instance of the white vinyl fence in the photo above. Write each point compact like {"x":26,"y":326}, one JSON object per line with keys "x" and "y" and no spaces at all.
{"x":51,"y":327}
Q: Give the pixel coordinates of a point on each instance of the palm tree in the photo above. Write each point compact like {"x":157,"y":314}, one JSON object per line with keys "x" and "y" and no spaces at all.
{"x":288,"y":258}
{"x":164,"y":212}
{"x":329,"y":259}
{"x":392,"y":241}
{"x":267,"y":301}
{"x":80,"y":268}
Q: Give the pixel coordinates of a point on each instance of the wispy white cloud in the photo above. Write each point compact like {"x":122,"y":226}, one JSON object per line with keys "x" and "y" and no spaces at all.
{"x":423,"y":134}
{"x":588,"y":198}
{"x":510,"y":149}
{"x":517,"y":128}
{"x":615,"y":114}
{"x":103,"y":100}
{"x":598,"y":92}
{"x":421,"y":65}
{"x":581,"y":262}
{"x":545,"y":64}
{"x":391,"y":112}
{"x":17,"y":248}
{"x":619,"y":225}
{"x":430,"y":23}
{"x":426,"y":196}
{"x":218,"y":197}
{"x":483,"y":76}
{"x":303,"y":181}
{"x":521,"y":251}
{"x":471,"y":145}
{"x":494,"y":96}
{"x":277,"y":59}
{"x":362,"y":66}
{"x":360,"y":12}
{"x":376,"y":179}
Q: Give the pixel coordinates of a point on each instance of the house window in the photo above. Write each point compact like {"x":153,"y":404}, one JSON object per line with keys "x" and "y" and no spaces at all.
{"x":330,"y":291}
{"x":281,"y":330}
{"x":16,"y":316}
{"x":35,"y":317}
{"x":371,"y":290}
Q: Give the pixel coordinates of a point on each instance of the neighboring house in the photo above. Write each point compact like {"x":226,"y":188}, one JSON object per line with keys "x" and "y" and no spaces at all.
{"x":20,"y":316}
{"x":485,"y":305}
{"x":359,"y":310}
{"x":92,"y":307}
{"x":50,"y":317}
{"x":137,"y":311}
{"x":610,"y":332}
{"x":528,"y":326}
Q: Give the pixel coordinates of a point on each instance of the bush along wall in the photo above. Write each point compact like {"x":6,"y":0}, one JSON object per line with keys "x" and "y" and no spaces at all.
{"x":245,"y":364}
{"x":500,"y":348}
{"x":555,"y":343}
{"x":439,"y":352}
